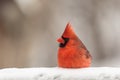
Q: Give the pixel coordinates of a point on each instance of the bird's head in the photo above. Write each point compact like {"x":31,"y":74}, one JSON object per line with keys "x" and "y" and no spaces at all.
{"x":67,"y":35}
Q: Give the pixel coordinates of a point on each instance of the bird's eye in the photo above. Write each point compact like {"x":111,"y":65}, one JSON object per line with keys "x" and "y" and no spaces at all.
{"x":65,"y":39}
{"x":65,"y":42}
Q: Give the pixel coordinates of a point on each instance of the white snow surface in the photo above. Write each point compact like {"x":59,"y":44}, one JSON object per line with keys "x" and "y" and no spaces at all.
{"x":55,"y":73}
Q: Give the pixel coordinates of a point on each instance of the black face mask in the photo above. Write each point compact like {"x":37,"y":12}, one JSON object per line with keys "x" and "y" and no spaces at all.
{"x":65,"y":42}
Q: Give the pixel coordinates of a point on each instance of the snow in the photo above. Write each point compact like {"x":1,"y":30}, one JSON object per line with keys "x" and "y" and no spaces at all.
{"x":55,"y":73}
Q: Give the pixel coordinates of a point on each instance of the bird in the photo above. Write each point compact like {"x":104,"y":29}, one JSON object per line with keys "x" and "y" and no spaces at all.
{"x":72,"y":53}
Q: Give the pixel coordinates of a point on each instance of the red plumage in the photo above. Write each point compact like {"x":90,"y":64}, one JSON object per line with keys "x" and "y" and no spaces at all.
{"x":72,"y":53}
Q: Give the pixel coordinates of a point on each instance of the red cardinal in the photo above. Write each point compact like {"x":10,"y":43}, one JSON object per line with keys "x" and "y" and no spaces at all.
{"x":72,"y":53}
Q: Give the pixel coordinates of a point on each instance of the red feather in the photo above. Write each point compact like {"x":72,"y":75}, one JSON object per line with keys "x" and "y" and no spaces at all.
{"x":72,"y":53}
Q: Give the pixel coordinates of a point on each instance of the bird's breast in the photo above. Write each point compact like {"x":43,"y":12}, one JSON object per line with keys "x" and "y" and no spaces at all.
{"x":72,"y":57}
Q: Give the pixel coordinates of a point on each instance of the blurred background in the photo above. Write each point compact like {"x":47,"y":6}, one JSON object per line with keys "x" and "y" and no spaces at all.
{"x":29,"y":29}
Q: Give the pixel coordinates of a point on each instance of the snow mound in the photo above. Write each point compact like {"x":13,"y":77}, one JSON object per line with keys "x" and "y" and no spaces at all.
{"x":55,"y":73}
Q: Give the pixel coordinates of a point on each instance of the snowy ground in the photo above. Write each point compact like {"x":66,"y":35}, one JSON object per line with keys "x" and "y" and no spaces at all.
{"x":93,"y":73}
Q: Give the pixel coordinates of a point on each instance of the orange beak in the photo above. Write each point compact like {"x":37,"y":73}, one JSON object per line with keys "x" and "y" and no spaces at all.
{"x":60,"y":40}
